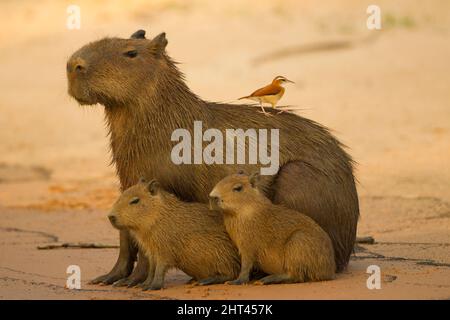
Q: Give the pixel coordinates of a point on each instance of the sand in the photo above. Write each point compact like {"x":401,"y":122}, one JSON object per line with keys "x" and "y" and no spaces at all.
{"x":385,"y":94}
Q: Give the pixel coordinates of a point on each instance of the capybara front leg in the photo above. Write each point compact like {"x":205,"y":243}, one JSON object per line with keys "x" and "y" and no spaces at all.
{"x":138,"y":275}
{"x":150,"y":273}
{"x":125,"y":262}
{"x":246,"y":269}
{"x":158,"y":278}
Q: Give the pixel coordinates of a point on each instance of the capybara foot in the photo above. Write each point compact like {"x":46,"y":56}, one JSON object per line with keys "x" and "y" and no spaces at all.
{"x":128,"y":282}
{"x":257,"y":274}
{"x":147,"y":287}
{"x":122,"y":282}
{"x":113,"y":276}
{"x":137,"y":276}
{"x":108,"y":278}
{"x":99,"y":279}
{"x":274,"y":278}
{"x":237,"y":282}
{"x":192,"y":281}
{"x":213,"y":280}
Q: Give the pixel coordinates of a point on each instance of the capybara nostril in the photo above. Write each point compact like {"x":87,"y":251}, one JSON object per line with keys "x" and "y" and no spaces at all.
{"x":214,"y":199}
{"x":77,"y":65}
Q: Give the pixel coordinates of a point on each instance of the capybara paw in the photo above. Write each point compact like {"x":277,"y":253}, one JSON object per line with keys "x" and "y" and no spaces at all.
{"x":109,"y":278}
{"x":98,"y":279}
{"x":126,"y":282}
{"x":207,"y":281}
{"x":142,"y":285}
{"x":151,"y":287}
{"x":236,"y":282}
{"x":121,"y":283}
{"x":192,"y":281}
{"x":133,"y":283}
{"x":112,"y":278}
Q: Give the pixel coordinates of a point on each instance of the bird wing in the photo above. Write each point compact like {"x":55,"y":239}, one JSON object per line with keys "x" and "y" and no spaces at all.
{"x":268,"y":90}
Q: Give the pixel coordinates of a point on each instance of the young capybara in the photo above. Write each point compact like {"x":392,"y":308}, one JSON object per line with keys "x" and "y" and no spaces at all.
{"x":146,"y":99}
{"x":285,"y":244}
{"x":173,"y":233}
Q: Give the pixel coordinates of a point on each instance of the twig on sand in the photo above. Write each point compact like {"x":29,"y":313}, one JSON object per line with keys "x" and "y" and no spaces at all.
{"x":77,"y":245}
{"x":49,"y":236}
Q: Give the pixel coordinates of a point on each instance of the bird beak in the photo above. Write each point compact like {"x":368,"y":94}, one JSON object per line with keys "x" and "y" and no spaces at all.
{"x":287,"y":80}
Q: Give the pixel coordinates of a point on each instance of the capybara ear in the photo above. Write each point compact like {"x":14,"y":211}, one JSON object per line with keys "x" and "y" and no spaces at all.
{"x":142,"y":180}
{"x":159,"y":43}
{"x":254,"y":178}
{"x":153,"y":187}
{"x":140,"y":34}
{"x":241,"y":171}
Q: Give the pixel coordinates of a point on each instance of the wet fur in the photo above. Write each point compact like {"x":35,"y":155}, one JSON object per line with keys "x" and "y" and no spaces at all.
{"x":181,"y":235}
{"x":146,"y":99}
{"x":277,"y":240}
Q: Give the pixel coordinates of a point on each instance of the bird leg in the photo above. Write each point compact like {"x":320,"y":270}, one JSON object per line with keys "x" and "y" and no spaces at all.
{"x":262,"y":108}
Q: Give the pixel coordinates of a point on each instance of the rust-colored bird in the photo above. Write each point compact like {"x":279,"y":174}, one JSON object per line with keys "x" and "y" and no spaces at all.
{"x":271,"y":93}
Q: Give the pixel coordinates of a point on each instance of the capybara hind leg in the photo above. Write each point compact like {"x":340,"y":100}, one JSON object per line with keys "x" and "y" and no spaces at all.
{"x":125,"y":262}
{"x":214,"y":280}
{"x":275,"y":278}
{"x":330,"y":198}
{"x":138,"y":275}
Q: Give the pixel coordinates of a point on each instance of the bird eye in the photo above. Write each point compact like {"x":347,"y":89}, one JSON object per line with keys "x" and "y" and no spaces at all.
{"x":134,"y":201}
{"x":131,"y":53}
{"x":237,"y":188}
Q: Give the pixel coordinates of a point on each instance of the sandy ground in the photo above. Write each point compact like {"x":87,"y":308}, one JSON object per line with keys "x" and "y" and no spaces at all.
{"x":386,"y":94}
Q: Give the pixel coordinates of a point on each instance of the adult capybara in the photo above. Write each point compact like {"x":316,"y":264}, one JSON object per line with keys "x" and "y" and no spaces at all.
{"x":146,"y":99}
{"x":285,"y":244}
{"x":176,"y":234}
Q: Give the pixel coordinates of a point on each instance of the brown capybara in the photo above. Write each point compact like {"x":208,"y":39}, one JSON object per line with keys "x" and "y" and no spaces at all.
{"x":146,"y":99}
{"x":285,"y":244}
{"x":176,"y":234}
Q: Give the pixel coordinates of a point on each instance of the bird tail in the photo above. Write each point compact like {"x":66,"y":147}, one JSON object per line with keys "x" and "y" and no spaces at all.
{"x":243,"y":97}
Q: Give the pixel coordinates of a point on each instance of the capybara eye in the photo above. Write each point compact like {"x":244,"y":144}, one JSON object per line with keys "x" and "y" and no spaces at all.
{"x":131,"y":53}
{"x":134,"y":201}
{"x":237,"y":188}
